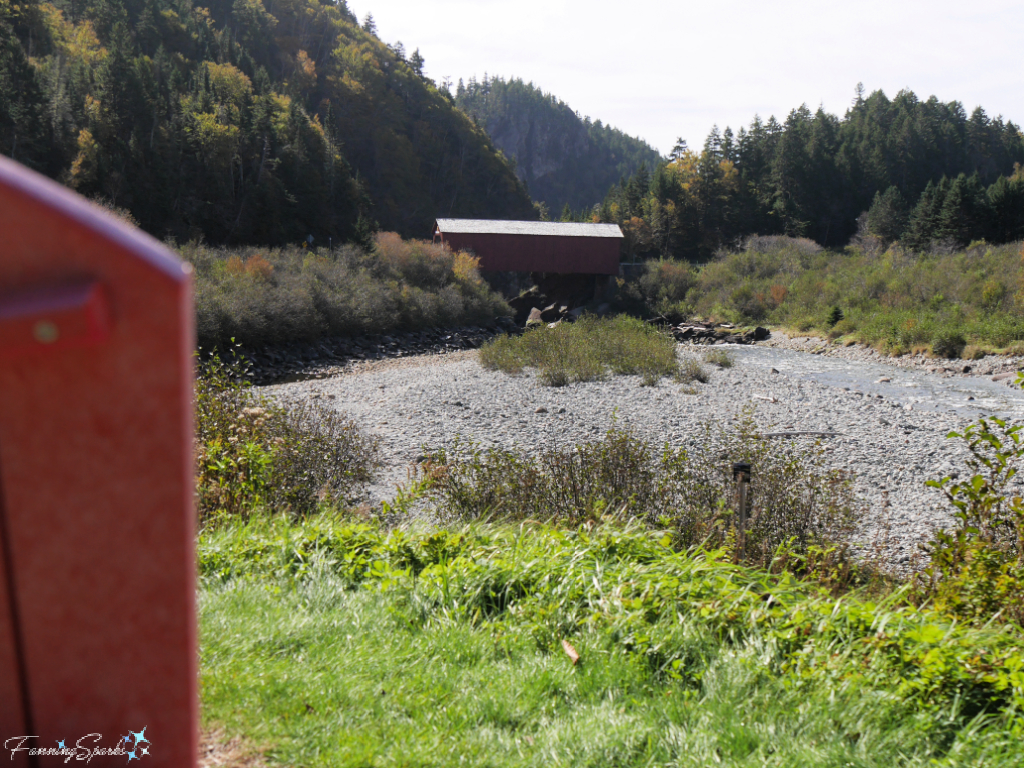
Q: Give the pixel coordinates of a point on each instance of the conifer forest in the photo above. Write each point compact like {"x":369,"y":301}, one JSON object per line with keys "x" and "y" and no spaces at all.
{"x":920,"y":171}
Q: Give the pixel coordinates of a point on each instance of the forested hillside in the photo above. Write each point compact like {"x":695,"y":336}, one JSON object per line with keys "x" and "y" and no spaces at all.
{"x":563,"y":158}
{"x":927,"y":171}
{"x":241,"y":121}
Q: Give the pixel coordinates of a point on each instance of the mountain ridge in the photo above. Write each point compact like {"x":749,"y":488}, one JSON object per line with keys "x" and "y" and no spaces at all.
{"x":564,"y":159}
{"x":242,"y":121}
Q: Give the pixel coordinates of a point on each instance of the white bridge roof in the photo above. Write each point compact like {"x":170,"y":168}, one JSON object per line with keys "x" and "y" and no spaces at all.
{"x":555,"y":228}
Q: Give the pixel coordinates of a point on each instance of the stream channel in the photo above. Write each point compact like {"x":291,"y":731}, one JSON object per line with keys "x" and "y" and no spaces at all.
{"x":914,"y":387}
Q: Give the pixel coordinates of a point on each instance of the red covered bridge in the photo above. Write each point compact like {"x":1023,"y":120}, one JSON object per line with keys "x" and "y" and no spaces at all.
{"x":535,"y":246}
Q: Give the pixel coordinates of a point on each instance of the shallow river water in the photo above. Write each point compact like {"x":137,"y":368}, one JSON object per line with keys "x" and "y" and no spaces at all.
{"x":907,"y":387}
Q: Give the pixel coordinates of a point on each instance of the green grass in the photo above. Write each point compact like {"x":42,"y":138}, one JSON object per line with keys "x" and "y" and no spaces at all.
{"x":719,"y":357}
{"x":690,"y":370}
{"x":336,"y":644}
{"x":586,"y":350}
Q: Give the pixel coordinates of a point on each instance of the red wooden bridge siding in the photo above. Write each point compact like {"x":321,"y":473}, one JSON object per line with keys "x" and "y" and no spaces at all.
{"x":531,"y":250}
{"x":97,"y":579}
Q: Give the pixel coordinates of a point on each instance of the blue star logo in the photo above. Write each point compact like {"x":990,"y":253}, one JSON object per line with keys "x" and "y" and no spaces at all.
{"x":140,"y":736}
{"x":126,"y":738}
{"x":60,"y":744}
{"x":132,"y":756}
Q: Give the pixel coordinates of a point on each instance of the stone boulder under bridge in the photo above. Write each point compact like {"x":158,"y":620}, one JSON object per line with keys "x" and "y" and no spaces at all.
{"x":709,"y":333}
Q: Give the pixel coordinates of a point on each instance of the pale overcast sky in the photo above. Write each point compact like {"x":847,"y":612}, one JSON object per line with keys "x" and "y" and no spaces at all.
{"x":662,"y":70}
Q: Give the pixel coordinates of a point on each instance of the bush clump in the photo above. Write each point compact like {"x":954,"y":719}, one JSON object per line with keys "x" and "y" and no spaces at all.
{"x":794,"y":498}
{"x":586,"y":351}
{"x":690,"y":370}
{"x":948,"y":343}
{"x":259,"y":296}
{"x":254,"y":454}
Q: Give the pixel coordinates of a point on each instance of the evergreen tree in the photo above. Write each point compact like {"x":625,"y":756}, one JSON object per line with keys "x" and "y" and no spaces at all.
{"x":923,"y":225}
{"x":963,"y":216}
{"x":887,"y":217}
{"x":1006,"y":207}
{"x":236,"y":125}
{"x":713,"y":143}
{"x":416,"y":62}
{"x":728,"y":149}
{"x":22,"y":133}
{"x":241,"y":125}
{"x":678,"y":150}
{"x":791,"y":175}
{"x":817,"y":175}
{"x":115,"y":81}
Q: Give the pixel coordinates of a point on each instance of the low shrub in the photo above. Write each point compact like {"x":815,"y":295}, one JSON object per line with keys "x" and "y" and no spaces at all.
{"x":776,"y":245}
{"x":844,"y":327}
{"x":254,"y":454}
{"x":795,"y":500}
{"x":895,"y":300}
{"x":948,"y":343}
{"x":586,"y":351}
{"x":690,"y":370}
{"x":662,"y":289}
{"x":259,"y":296}
{"x":667,"y":281}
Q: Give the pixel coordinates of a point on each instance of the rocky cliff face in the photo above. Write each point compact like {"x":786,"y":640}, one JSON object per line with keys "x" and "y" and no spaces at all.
{"x":540,"y":147}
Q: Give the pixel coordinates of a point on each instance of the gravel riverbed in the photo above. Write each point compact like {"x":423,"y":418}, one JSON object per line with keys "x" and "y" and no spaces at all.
{"x":893,"y":418}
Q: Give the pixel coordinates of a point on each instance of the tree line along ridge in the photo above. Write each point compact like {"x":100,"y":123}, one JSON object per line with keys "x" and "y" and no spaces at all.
{"x":240,"y":121}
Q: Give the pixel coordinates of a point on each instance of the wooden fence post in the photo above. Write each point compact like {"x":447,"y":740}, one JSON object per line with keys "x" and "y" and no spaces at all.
{"x":741,"y":475}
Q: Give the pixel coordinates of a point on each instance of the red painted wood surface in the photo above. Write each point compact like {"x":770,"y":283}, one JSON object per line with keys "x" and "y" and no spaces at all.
{"x":54,"y":317}
{"x":97,"y":611}
{"x":12,"y":704}
{"x":540,"y":253}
